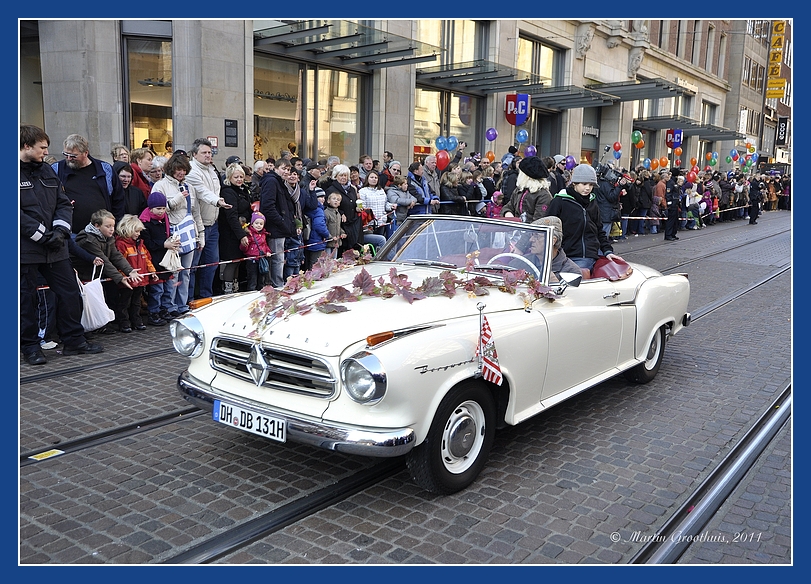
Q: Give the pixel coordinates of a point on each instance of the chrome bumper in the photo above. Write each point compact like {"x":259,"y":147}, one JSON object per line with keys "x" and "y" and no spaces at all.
{"x":346,"y":439}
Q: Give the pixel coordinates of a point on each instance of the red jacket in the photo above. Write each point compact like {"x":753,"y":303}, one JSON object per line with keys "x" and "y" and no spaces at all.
{"x":257,"y":243}
{"x":136,"y":254}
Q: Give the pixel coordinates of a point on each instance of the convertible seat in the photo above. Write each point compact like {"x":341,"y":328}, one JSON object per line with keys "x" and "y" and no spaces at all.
{"x":611,"y":270}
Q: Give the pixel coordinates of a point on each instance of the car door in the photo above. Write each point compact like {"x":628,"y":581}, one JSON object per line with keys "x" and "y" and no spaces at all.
{"x":585,"y":330}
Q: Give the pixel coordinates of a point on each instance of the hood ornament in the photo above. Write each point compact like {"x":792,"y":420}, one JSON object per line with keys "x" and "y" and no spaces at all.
{"x":257,"y":365}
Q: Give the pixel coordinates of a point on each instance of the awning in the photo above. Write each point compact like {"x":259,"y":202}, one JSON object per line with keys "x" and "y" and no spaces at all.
{"x":642,"y":89}
{"x":480,"y":76}
{"x":569,"y":97}
{"x":688,"y":127}
{"x":340,"y":43}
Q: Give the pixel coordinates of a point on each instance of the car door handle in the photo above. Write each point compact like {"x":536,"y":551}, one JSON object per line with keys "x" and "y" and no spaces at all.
{"x":612,"y":295}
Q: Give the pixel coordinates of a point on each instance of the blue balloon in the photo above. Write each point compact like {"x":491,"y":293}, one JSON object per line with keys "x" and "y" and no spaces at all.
{"x":646,"y":163}
{"x":452,"y":143}
{"x":521,"y":136}
{"x":441,"y":143}
{"x":617,"y":154}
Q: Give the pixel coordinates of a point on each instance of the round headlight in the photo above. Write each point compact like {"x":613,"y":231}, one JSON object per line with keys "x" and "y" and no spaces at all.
{"x":187,"y":336}
{"x":364,"y":378}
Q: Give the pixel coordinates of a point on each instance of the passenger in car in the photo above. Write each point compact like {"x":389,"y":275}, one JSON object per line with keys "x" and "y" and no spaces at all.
{"x":584,"y":240}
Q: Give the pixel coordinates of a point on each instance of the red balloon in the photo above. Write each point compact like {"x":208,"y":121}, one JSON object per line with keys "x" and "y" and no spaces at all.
{"x":695,"y":168}
{"x":617,"y":146}
{"x":677,"y":162}
{"x":708,"y":167}
{"x":442,"y":159}
{"x":691,"y":177}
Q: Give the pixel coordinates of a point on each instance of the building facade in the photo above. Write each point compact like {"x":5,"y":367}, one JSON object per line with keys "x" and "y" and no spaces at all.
{"x":355,"y":87}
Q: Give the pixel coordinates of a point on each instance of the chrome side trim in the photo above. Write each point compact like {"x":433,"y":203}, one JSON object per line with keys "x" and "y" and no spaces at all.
{"x":379,"y":443}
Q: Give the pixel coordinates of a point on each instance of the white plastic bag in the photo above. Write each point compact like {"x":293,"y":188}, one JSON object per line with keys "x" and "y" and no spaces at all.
{"x":171,"y":259}
{"x":96,"y":313}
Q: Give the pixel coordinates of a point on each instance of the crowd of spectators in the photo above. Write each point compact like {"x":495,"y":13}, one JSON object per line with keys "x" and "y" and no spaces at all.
{"x":139,"y":205}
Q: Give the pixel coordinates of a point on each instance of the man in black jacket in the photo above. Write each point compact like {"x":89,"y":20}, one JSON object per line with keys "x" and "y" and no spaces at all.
{"x":45,"y":226}
{"x":89,"y":183}
{"x":672,"y":198}
{"x":280,"y":216}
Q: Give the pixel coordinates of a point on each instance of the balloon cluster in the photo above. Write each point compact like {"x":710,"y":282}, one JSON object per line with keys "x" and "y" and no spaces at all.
{"x":443,"y":145}
{"x":617,"y":150}
{"x":636,"y":138}
{"x":654,"y":163}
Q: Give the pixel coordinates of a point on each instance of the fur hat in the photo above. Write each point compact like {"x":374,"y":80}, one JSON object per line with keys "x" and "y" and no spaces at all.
{"x":257,"y":215}
{"x":584,"y":173}
{"x":533,"y":167}
{"x":156,"y":199}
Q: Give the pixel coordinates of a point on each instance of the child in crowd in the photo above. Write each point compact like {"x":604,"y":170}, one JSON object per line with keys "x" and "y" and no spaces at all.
{"x":400,"y":198}
{"x":319,"y":232}
{"x":257,"y":247}
{"x":157,"y":240}
{"x":332,"y":216}
{"x":97,"y":238}
{"x":129,"y":243}
{"x":495,"y":205}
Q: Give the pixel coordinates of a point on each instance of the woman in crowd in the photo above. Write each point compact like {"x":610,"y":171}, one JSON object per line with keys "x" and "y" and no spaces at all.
{"x":181,"y":201}
{"x":230,"y":223}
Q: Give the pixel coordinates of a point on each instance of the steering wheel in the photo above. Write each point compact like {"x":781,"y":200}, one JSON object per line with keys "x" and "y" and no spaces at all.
{"x":532,"y":267}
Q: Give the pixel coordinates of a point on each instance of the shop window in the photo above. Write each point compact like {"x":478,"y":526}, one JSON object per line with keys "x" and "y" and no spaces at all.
{"x":149,"y":82}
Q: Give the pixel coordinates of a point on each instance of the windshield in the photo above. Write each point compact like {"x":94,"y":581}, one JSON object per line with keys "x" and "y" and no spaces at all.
{"x":493,"y":245}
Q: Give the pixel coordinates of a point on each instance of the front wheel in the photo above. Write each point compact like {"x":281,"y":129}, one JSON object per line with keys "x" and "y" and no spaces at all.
{"x":458,"y":442}
{"x":647,"y":370}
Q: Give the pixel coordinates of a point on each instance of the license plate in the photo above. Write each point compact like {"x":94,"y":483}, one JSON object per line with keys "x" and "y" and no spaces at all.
{"x":250,"y":421}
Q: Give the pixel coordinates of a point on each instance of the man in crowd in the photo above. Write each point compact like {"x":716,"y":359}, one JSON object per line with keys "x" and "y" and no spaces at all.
{"x":90,"y":184}
{"x":431,"y":174}
{"x":205,"y":180}
{"x":279,"y":210}
{"x":45,"y":227}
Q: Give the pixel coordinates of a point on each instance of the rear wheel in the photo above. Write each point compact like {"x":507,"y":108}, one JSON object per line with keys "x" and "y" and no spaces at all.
{"x":458,"y":443}
{"x":647,"y":370}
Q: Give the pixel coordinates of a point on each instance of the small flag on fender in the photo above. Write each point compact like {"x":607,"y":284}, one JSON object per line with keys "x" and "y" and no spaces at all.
{"x":490,"y":369}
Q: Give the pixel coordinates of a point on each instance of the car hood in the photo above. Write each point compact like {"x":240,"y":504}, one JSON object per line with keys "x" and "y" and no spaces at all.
{"x":331,"y":333}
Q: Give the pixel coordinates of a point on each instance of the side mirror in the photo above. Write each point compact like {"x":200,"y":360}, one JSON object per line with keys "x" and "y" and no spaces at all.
{"x":571,"y":278}
{"x":568,"y":279}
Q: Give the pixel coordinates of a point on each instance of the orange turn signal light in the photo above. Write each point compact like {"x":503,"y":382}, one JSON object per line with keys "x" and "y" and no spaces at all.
{"x":199,"y":303}
{"x":378,"y":338}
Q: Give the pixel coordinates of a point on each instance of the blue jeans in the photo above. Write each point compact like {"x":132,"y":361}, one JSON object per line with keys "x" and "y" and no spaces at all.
{"x":159,"y":296}
{"x":641,"y":225}
{"x":587,"y":263}
{"x":376,"y":240}
{"x":179,"y":296}
{"x":210,"y":254}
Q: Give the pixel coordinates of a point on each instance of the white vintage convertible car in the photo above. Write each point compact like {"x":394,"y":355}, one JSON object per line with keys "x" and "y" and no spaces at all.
{"x":448,"y":333}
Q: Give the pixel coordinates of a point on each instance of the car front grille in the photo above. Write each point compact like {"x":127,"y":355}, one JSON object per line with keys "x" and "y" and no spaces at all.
{"x":288,"y":371}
